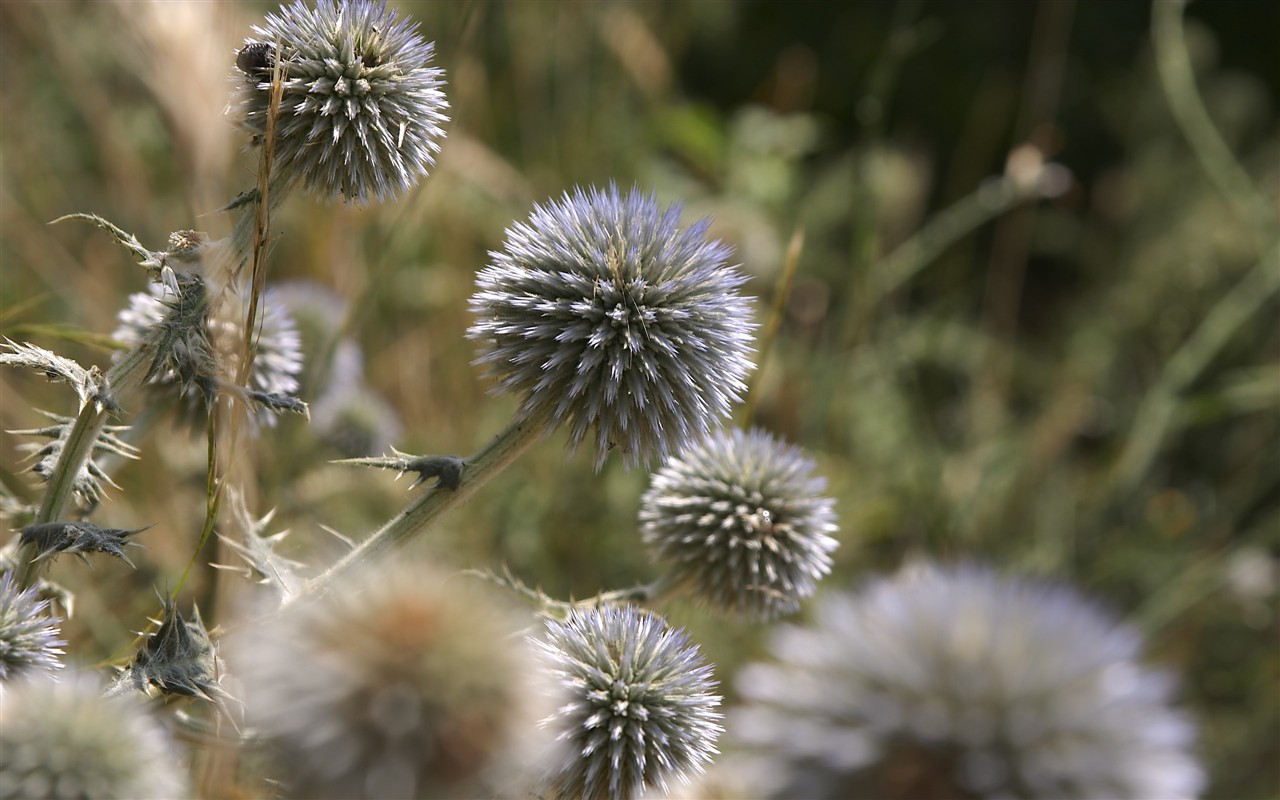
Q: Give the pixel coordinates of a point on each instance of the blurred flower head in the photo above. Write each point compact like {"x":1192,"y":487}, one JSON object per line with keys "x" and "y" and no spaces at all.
{"x":637,"y":703}
{"x":197,"y":357}
{"x":361,"y":108}
{"x":64,"y":739}
{"x":605,"y":315}
{"x":28,"y":632}
{"x":741,"y":519}
{"x":957,"y":683}
{"x":349,"y":415}
{"x":397,"y":683}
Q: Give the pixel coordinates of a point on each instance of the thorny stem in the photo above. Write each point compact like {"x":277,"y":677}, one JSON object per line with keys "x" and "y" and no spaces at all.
{"x":261,"y":222}
{"x":480,"y":468}
{"x":651,"y":595}
{"x":120,"y":380}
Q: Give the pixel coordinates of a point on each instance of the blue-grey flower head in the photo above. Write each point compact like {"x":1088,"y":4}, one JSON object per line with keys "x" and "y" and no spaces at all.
{"x":637,"y":704}
{"x":197,"y":344}
{"x":605,"y":315}
{"x":396,"y":683}
{"x":741,"y":519}
{"x":954,"y":682}
{"x":64,"y":739}
{"x":361,"y":109}
{"x":28,"y":632}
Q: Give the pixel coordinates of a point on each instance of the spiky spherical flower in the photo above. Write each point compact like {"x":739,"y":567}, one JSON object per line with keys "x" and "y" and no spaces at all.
{"x":198,"y":356}
{"x":397,"y":683}
{"x":361,"y":108}
{"x":740,"y":519}
{"x":957,"y":683}
{"x":64,"y":739}
{"x":28,"y":632}
{"x":637,"y":703}
{"x":604,"y":314}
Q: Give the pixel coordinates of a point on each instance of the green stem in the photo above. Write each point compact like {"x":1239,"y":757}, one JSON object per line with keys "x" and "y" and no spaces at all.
{"x":946,"y":228}
{"x":120,"y":380}
{"x":1178,"y":80}
{"x":480,"y":468}
{"x":1157,"y":409}
{"x":650,"y":595}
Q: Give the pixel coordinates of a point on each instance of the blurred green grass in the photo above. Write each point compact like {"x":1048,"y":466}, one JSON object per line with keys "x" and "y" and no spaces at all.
{"x":981,"y":410}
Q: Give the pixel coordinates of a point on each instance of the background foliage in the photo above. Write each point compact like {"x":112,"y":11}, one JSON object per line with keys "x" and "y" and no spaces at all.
{"x":1038,"y":395}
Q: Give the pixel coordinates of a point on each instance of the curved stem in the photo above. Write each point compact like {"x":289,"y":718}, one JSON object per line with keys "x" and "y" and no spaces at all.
{"x":1156,"y":412}
{"x":1178,"y":80}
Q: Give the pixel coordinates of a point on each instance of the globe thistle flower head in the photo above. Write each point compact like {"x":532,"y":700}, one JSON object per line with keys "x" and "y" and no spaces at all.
{"x":361,"y":107}
{"x":196,"y":357}
{"x":605,"y":315}
{"x":394,"y":684}
{"x":64,"y":739}
{"x":28,"y":632}
{"x":637,"y":703}
{"x":957,"y":683}
{"x":740,"y":518}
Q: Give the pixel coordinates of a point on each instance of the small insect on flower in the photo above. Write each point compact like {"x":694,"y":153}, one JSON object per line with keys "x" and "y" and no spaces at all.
{"x":256,"y":60}
{"x":361,"y":108}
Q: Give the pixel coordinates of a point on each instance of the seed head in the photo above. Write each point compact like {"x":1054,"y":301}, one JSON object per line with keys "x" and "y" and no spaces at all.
{"x":29,"y":640}
{"x":395,"y":684}
{"x":64,"y":739}
{"x":361,"y":107}
{"x":956,"y":683}
{"x":636,"y":704}
{"x":604,"y":314}
{"x":741,"y":519}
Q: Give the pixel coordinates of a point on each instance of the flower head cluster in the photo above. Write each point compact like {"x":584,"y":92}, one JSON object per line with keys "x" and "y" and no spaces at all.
{"x":604,"y":314}
{"x":958,"y":683}
{"x":394,"y":684}
{"x":361,"y":108}
{"x":28,"y":633}
{"x":637,"y":703}
{"x":741,"y":519}
{"x":64,"y":739}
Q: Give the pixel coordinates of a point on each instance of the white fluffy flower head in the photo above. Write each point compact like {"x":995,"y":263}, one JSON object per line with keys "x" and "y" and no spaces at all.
{"x":959,"y":683}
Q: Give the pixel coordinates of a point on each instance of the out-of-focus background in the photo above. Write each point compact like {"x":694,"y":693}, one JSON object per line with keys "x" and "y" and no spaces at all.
{"x":1078,"y":387}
